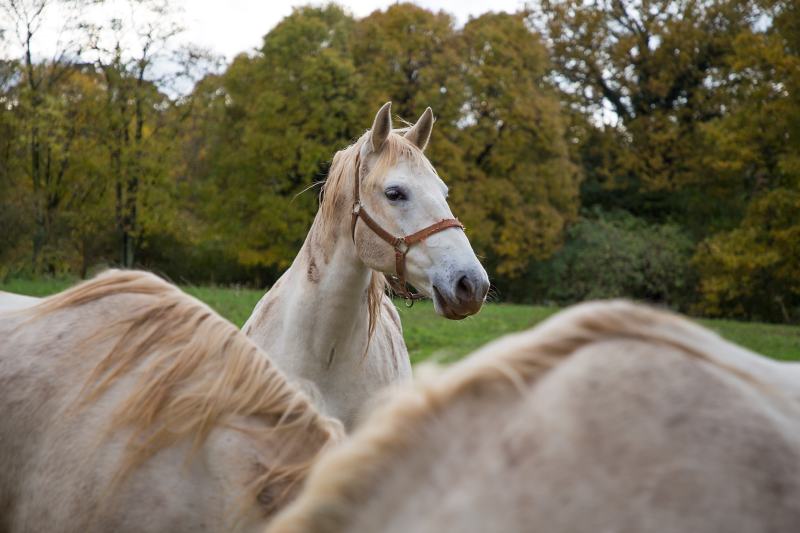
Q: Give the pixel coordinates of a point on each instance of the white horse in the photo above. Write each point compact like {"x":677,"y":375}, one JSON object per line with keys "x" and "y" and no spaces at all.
{"x":128,"y":406}
{"x":608,"y":417}
{"x":327,"y":321}
{"x":10,"y":301}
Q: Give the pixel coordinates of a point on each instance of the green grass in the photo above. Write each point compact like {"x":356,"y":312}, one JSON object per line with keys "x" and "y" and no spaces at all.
{"x":40,"y":287}
{"x":773,"y":340}
{"x":430,"y":337}
{"x":234,"y":304}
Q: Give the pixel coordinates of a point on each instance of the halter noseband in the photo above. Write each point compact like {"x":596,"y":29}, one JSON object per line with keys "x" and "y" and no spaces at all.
{"x":400,"y":244}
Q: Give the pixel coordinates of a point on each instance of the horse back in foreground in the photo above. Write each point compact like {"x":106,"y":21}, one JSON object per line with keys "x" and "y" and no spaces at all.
{"x":130,"y":406}
{"x":608,"y":417}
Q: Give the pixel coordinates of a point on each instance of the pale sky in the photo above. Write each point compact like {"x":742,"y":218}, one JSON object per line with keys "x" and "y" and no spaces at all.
{"x":233,"y":26}
{"x":229,"y":27}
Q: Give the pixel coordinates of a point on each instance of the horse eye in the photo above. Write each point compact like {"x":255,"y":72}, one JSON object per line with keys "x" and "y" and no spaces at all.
{"x":394,"y":194}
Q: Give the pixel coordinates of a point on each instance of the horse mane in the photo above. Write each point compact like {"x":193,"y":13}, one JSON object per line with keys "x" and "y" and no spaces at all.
{"x":336,"y":195}
{"x":195,"y":371}
{"x":346,"y":477}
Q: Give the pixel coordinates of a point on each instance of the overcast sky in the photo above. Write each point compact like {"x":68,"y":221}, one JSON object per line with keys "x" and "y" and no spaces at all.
{"x":225,"y":28}
{"x":229,"y":27}
{"x":240,"y":24}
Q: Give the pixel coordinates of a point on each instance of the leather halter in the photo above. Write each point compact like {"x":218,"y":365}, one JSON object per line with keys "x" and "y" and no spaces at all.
{"x":400,"y":244}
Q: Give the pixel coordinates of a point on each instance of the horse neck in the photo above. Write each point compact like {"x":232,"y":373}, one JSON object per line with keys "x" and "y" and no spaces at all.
{"x":333,"y":279}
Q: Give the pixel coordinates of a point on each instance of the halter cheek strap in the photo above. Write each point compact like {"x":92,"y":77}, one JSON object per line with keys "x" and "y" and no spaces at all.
{"x":400,"y":244}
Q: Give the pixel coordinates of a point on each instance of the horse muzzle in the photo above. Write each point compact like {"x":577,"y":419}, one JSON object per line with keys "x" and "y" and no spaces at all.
{"x":461,"y":296}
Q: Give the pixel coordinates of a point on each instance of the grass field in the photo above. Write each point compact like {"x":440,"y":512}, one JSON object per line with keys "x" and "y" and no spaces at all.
{"x":431,"y":337}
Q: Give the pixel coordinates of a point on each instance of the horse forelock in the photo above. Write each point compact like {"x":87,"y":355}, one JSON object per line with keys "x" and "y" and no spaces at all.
{"x":345,"y":478}
{"x":194,"y":372}
{"x":338,"y":186}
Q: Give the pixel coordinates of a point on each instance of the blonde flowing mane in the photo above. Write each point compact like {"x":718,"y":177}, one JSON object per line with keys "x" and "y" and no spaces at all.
{"x":337,"y":194}
{"x":195,"y":371}
{"x":346,"y":477}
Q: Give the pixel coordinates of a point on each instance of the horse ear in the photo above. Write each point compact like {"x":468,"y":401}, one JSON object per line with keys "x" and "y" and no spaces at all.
{"x":420,"y":133}
{"x":381,"y":127}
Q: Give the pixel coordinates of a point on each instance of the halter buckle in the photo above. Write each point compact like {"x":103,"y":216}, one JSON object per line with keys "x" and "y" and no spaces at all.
{"x":357,"y":208}
{"x":401,"y":245}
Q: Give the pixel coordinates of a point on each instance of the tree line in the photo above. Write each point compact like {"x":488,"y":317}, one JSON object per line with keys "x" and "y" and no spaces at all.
{"x":648,"y":149}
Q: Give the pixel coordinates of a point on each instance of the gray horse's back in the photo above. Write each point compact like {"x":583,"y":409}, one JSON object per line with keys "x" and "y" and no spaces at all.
{"x":10,"y":301}
{"x":57,"y":462}
{"x":638,"y":422}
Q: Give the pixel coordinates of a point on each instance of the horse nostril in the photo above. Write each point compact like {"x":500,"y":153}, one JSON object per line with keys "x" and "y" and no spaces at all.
{"x":464,"y":289}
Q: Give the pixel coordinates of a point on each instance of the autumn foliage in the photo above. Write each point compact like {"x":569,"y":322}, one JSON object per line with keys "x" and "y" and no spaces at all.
{"x":648,"y":149}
